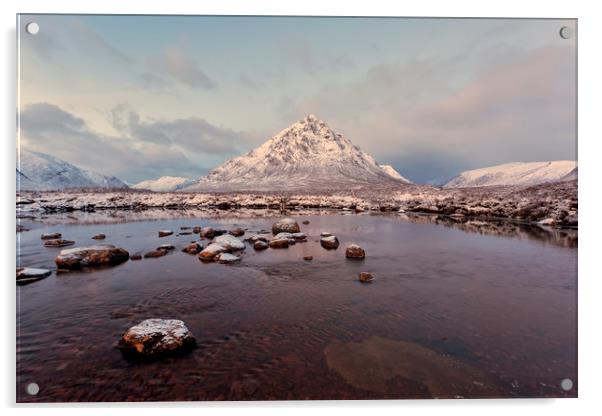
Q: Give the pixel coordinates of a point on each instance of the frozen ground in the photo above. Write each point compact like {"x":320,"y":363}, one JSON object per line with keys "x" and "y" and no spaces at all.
{"x":554,"y":203}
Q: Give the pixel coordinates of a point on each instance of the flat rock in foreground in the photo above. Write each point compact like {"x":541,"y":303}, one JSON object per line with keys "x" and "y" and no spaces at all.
{"x":156,"y":337}
{"x":92,"y":256}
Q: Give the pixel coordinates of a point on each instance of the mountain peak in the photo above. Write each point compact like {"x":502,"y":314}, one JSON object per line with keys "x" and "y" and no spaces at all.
{"x":306,"y":155}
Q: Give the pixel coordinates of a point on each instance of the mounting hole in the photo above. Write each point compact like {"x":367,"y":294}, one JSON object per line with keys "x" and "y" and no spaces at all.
{"x":32,"y":28}
{"x":566,"y":384}
{"x":32,"y":389}
{"x":566,"y":32}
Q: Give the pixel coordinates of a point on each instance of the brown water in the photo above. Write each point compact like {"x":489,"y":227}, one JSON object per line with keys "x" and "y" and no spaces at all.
{"x":452,"y":313}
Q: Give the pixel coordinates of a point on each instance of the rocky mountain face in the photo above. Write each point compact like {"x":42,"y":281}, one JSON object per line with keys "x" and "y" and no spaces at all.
{"x":308,"y":155}
{"x":517,"y":173}
{"x":39,"y":171}
{"x":164,"y":184}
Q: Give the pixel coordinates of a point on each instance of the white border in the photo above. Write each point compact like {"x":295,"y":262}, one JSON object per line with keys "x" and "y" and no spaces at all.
{"x":590,"y":276}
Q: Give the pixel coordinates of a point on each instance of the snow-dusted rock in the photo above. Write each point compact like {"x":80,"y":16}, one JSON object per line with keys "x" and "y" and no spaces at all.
{"x":325,"y":234}
{"x":229,"y":242}
{"x":208,"y":253}
{"x":227,"y":258}
{"x":166,"y":247}
{"x":31,"y":274}
{"x":207,"y":232}
{"x":285,"y":225}
{"x":331,"y":242}
{"x":354,"y":251}
{"x":165,"y":233}
{"x":156,"y":337}
{"x":299,"y":237}
{"x":93,"y":256}
{"x":51,"y":236}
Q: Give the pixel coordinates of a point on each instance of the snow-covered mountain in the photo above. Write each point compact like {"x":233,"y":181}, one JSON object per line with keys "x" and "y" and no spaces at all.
{"x":390,"y":170}
{"x":308,"y":155}
{"x":164,"y":184}
{"x":39,"y":171}
{"x":517,"y":173}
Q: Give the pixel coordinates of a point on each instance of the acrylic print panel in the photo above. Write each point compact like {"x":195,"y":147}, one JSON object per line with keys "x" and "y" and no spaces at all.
{"x":275,"y":208}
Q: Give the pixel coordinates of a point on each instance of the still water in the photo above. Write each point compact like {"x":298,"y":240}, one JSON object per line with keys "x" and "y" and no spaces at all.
{"x":456,"y":310}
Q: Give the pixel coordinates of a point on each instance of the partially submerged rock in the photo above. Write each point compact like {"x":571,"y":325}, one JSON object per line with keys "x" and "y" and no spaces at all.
{"x":300,"y":237}
{"x":325,"y":234}
{"x":229,"y":242}
{"x":31,"y":274}
{"x":155,"y":253}
{"x":330,"y":242}
{"x":366,"y":277}
{"x":237,"y":232}
{"x":51,"y":236}
{"x":279,"y":243}
{"x":165,"y":233}
{"x":156,"y":337}
{"x":193,"y":248}
{"x":308,"y":258}
{"x":354,"y":251}
{"x":305,"y":222}
{"x":285,"y":236}
{"x":135,"y":257}
{"x":207,"y":232}
{"x":93,"y":256}
{"x":166,"y":247}
{"x":58,"y":243}
{"x":260,"y":245}
{"x":99,"y":237}
{"x":227,"y":258}
{"x":196,"y":230}
{"x":285,"y":225}
{"x":254,"y":238}
{"x":208,"y":253}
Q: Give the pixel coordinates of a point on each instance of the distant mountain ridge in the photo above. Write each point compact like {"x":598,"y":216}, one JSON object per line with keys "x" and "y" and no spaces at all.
{"x":164,"y":184}
{"x":308,"y":155}
{"x":516,"y":173}
{"x":40,"y":171}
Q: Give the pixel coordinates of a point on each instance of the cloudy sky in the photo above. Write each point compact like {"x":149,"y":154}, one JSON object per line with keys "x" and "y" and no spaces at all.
{"x":140,"y":97}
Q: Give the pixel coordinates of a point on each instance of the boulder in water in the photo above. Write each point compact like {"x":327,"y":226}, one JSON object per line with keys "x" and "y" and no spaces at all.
{"x":366,"y":277}
{"x":227,"y":258}
{"x":30,"y":274}
{"x":330,"y":242}
{"x":51,"y":236}
{"x":229,"y":242}
{"x":207,"y":232}
{"x":237,"y":232}
{"x":285,"y":225}
{"x":99,"y":237}
{"x":279,"y":243}
{"x":58,"y":243}
{"x":208,"y":253}
{"x":92,"y":256}
{"x":165,"y":233}
{"x":354,"y":251}
{"x":155,"y":253}
{"x":156,"y":337}
{"x":193,"y":248}
{"x":260,"y":245}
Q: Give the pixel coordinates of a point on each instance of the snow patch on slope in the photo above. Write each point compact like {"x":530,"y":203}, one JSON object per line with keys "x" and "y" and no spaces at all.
{"x":164,"y":184}
{"x":516,"y":173}
{"x":390,"y":170}
{"x":39,"y":171}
